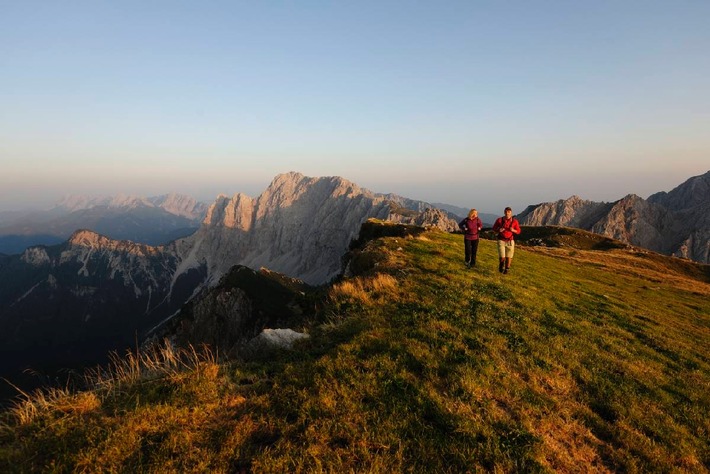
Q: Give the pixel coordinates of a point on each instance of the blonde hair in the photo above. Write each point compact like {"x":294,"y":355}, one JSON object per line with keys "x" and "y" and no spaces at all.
{"x":472,"y":213}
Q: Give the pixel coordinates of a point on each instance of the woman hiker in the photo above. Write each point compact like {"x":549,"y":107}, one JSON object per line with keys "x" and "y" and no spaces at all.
{"x":470,"y":227}
{"x":506,"y":228}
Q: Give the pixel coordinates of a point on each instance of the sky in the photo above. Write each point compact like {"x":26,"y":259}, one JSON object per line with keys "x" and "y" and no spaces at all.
{"x":474,"y":103}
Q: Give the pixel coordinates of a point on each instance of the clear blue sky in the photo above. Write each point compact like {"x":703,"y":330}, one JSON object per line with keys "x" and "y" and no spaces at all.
{"x":474,"y":103}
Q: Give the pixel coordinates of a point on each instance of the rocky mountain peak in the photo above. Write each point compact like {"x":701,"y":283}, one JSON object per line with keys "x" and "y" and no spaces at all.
{"x":83,"y":240}
{"x":35,"y":256}
{"x":572,"y":212}
{"x":695,"y":192}
{"x":87,"y":238}
{"x":677,"y":222}
{"x":299,"y":226}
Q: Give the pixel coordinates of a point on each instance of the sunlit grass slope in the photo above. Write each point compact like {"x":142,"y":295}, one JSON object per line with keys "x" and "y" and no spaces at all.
{"x":576,"y":361}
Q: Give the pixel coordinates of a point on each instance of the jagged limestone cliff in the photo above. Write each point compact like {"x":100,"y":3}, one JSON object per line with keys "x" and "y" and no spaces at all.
{"x":675,"y":223}
{"x":299,"y":226}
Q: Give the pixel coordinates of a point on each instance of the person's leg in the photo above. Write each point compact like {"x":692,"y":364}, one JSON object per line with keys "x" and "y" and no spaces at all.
{"x":474,"y":251}
{"x":501,"y":255}
{"x":509,"y":251}
{"x":467,"y":251}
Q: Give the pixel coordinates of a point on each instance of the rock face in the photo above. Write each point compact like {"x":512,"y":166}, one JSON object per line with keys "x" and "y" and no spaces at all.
{"x":299,"y":226}
{"x":232,"y":313}
{"x":675,"y":223}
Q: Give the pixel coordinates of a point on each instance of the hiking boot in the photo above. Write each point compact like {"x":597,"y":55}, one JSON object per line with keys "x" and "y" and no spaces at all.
{"x":505,"y":271}
{"x":500,"y":267}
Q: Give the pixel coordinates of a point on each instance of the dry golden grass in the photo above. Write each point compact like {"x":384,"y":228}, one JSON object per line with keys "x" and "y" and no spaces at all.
{"x":364,"y":290}
{"x":39,"y":403}
{"x":160,"y":360}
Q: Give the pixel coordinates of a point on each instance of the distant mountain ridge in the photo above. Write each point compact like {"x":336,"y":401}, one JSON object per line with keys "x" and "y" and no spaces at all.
{"x":461,"y":212}
{"x":675,"y":223}
{"x":173,"y":203}
{"x":153,"y":220}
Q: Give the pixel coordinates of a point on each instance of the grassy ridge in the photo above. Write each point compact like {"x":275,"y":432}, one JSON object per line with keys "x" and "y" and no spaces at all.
{"x":576,"y":361}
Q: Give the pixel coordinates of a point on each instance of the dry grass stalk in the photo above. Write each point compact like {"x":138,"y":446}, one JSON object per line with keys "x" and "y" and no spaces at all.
{"x":160,"y":360}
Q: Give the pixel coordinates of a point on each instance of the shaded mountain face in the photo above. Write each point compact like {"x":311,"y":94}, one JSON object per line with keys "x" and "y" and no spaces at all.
{"x":68,"y":305}
{"x":674,"y":223}
{"x":152,"y":221}
{"x":237,"y":309}
{"x":65,"y":305}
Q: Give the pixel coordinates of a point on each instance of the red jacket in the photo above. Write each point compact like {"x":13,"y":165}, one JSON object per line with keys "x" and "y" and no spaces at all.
{"x":470,"y":227}
{"x":506,"y":228}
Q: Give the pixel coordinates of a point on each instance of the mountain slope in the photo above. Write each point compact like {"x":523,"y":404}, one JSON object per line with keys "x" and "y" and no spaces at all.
{"x":675,"y":223}
{"x":578,"y":360}
{"x":66,"y":306}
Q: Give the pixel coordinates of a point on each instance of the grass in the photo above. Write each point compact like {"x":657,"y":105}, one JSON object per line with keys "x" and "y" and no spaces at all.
{"x":577,"y":360}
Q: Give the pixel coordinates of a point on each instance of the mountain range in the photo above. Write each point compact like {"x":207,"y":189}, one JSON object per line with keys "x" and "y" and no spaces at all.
{"x":66,"y":305}
{"x":154,"y":220}
{"x":70,"y":303}
{"x":674,"y":223}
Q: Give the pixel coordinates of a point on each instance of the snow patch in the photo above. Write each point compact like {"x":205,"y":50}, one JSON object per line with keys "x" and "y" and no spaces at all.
{"x":283,"y":338}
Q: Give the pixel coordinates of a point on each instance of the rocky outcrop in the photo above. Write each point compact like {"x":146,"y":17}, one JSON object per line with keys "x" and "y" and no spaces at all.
{"x":235,"y":311}
{"x":692,"y":194}
{"x":299,"y":226}
{"x":675,"y":223}
{"x":429,"y":218}
{"x":571,"y":212}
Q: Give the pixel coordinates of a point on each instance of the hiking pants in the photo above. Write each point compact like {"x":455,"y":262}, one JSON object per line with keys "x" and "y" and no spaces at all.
{"x":471,"y":249}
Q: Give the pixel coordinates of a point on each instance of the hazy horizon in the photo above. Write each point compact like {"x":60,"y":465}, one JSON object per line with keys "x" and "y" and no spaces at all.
{"x":257,"y":189}
{"x":474,"y":104}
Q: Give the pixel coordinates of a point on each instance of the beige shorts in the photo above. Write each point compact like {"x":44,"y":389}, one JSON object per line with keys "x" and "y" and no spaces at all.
{"x":506,"y":249}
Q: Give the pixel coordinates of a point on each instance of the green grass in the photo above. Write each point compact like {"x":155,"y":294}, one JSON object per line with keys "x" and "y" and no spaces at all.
{"x":577,"y":360}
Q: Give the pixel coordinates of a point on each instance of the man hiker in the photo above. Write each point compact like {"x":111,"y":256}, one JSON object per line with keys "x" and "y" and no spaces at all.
{"x":470,"y":227}
{"x":506,"y":228}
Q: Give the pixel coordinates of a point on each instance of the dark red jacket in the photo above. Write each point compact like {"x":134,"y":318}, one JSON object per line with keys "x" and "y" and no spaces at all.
{"x":506,"y":228}
{"x":470,"y":228}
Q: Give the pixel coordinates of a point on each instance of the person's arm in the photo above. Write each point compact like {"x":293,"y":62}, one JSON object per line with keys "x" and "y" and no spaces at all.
{"x":515,"y":228}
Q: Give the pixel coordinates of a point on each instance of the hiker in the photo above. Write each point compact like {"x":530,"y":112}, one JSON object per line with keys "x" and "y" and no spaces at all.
{"x":470,"y":227}
{"x":506,"y":228}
